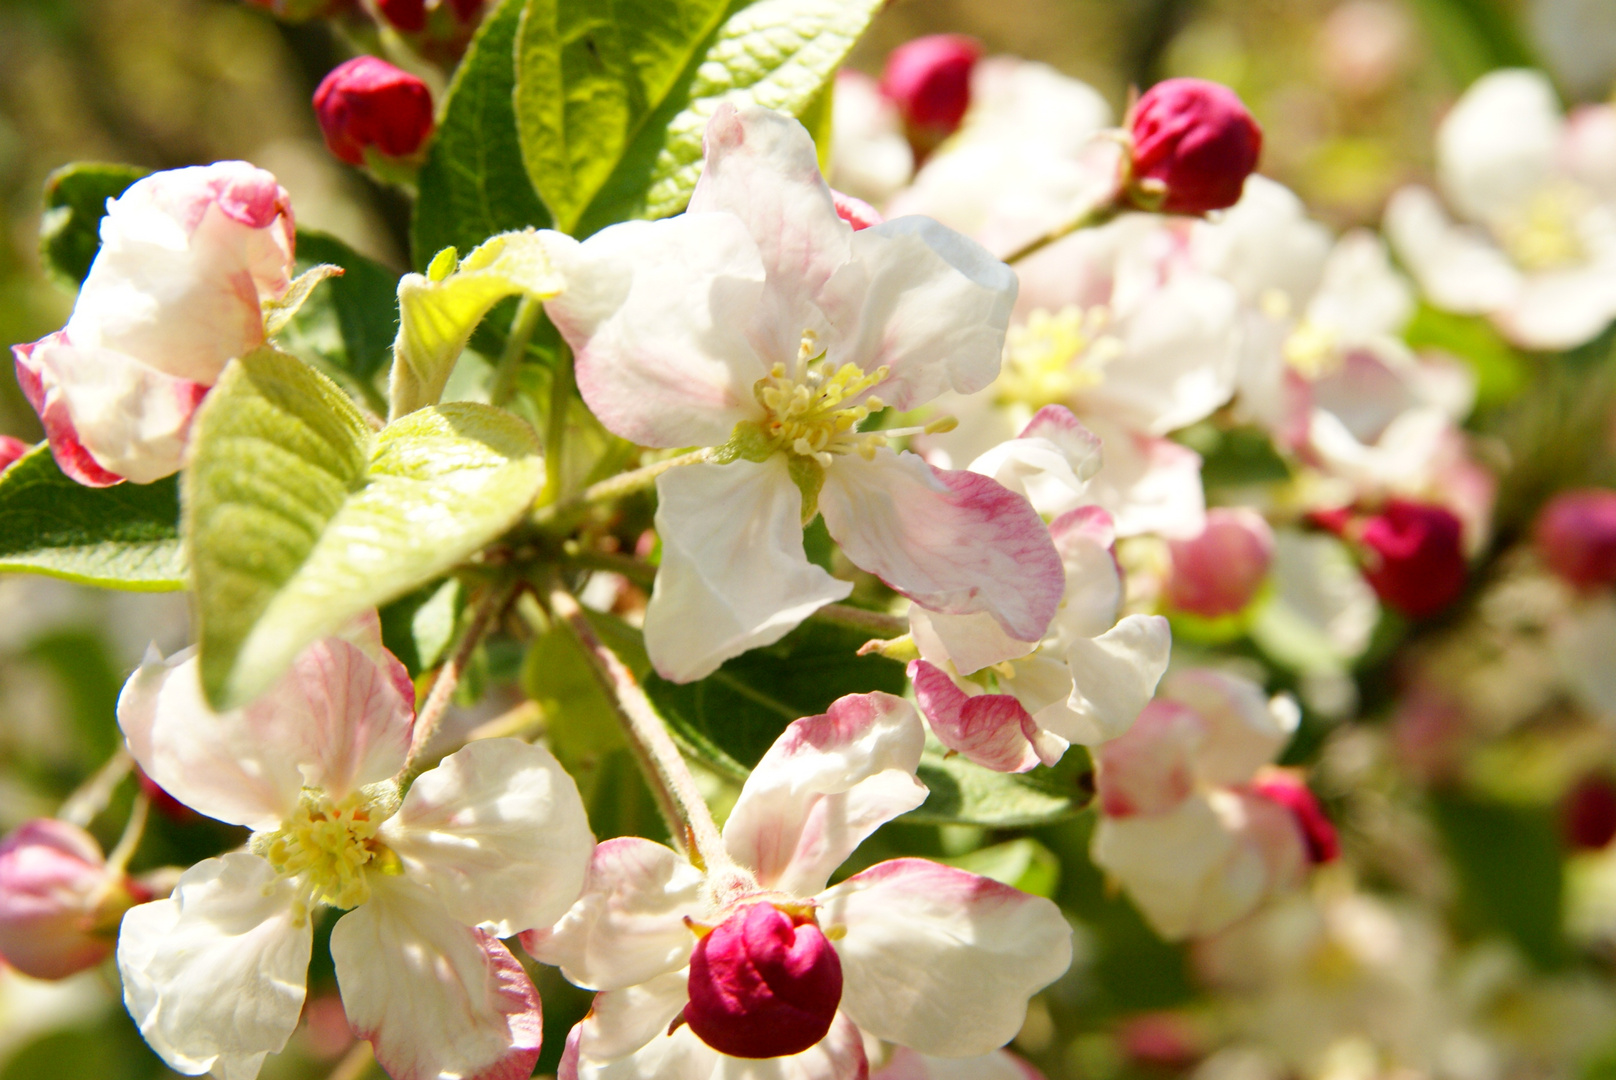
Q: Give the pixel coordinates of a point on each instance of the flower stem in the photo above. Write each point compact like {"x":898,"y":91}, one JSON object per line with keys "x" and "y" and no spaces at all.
{"x":689,"y":819}
{"x":615,"y":487}
{"x":555,"y":428}
{"x":92,"y":796}
{"x":1091,"y":218}
{"x":133,"y":830}
{"x":437,"y":701}
{"x":878,"y":623}
{"x":503,"y":388}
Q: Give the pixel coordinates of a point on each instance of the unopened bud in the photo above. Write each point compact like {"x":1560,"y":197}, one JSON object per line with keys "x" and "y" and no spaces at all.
{"x":1288,"y":790}
{"x":1588,"y":814}
{"x":368,"y":104}
{"x":1576,"y":537}
{"x":763,"y":984}
{"x":929,"y":79}
{"x":1219,"y":572}
{"x":59,"y":903}
{"x":1416,"y":561}
{"x":1194,"y":144}
{"x":406,"y":15}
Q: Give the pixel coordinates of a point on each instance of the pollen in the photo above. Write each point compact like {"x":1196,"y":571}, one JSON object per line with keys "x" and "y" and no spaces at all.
{"x":330,"y":845}
{"x":814,"y":410}
{"x":1055,"y":356}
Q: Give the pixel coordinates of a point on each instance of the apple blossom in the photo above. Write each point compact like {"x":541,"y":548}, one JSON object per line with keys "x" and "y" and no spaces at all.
{"x":1219,"y":572}
{"x":1194,"y":144}
{"x":1090,"y":674}
{"x":1575,"y":535}
{"x":187,"y":260}
{"x":1536,"y":193}
{"x":1182,"y":828}
{"x":59,"y":901}
{"x":366,"y":104}
{"x":760,"y":322}
{"x":758,"y":960}
{"x":929,"y":79}
{"x":869,"y":157}
{"x":491,"y":841}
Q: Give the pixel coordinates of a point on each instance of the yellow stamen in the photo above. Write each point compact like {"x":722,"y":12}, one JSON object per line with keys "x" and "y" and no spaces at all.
{"x":1054,"y":356}
{"x":330,"y":844}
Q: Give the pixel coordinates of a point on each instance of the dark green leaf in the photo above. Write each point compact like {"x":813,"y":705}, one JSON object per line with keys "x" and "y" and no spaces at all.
{"x":122,"y":537}
{"x":473,"y":184}
{"x":963,"y":792}
{"x":75,"y":202}
{"x":350,"y":321}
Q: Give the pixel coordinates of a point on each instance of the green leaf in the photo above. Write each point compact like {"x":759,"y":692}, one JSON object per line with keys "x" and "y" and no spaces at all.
{"x":439,"y":310}
{"x":588,"y":76}
{"x":1472,"y":37}
{"x":349,"y":323}
{"x":965,"y":793}
{"x":121,"y":537}
{"x":731,"y":717}
{"x":1023,"y":864}
{"x":299,"y":517}
{"x":473,"y":184}
{"x":75,"y":202}
{"x":773,"y":53}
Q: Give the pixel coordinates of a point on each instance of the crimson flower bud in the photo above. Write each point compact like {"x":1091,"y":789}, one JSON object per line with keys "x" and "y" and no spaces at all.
{"x":59,"y":904}
{"x":1588,"y":814}
{"x":1318,"y":834}
{"x":763,"y":984}
{"x":1219,"y":572}
{"x":1417,"y":563}
{"x":368,"y":104}
{"x":406,"y":15}
{"x":1576,"y":537}
{"x":929,"y":79}
{"x":1194,"y":144}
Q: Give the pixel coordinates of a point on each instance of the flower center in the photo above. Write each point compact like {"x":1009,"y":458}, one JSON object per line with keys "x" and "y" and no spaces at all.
{"x":1310,"y":349}
{"x":813,"y":410}
{"x":1055,"y":356}
{"x":1544,"y":236}
{"x":329,"y":844}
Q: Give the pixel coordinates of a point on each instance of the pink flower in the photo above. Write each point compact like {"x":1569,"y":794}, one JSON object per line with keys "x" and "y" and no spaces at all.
{"x":491,"y":841}
{"x":1195,"y":142}
{"x":761,"y":322}
{"x":1417,"y":562}
{"x":929,"y":79}
{"x":760,"y":960}
{"x":368,"y":104}
{"x":1219,"y":572}
{"x":187,"y":260}
{"x":1290,"y":791}
{"x":1576,"y":536}
{"x":59,"y":903}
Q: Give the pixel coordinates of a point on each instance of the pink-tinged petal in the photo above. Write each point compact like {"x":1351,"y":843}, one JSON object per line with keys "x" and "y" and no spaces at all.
{"x":951,"y":541}
{"x":682,"y":1056}
{"x":1113,"y":676}
{"x":1151,"y":768}
{"x":365,"y":634}
{"x":828,"y":782}
{"x":655,"y":313}
{"x":1085,"y":539}
{"x":762,"y":168}
{"x":628,"y":926}
{"x":924,"y":301}
{"x":1245,"y":728}
{"x":969,"y":642}
{"x":71,"y":456}
{"x":1050,"y":462}
{"x":941,"y":960}
{"x":57,"y":899}
{"x":906,"y":1064}
{"x":498,"y":832}
{"x":1149,"y":485}
{"x":733,"y":575}
{"x":855,"y":211}
{"x":621,"y":1022}
{"x":993,"y":730}
{"x":435,"y":998}
{"x":214,"y":976}
{"x":1185,"y":870}
{"x":345,"y":713}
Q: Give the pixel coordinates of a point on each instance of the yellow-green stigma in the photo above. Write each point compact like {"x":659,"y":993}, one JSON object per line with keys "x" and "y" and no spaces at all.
{"x":329,"y":845}
{"x":1544,"y":236}
{"x":815,"y":413}
{"x":1054,"y":356}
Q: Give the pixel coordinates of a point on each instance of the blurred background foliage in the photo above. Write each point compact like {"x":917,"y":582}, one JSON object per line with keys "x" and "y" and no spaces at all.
{"x":1348,"y":92}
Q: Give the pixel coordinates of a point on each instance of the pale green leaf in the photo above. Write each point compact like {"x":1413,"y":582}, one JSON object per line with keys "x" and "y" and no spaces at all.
{"x":1023,"y":864}
{"x":299,"y":517}
{"x":589,"y":74}
{"x":965,"y":793}
{"x":439,"y":310}
{"x":278,"y":314}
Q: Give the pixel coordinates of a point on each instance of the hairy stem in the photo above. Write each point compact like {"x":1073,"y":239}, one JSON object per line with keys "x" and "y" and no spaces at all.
{"x":1088,"y":219}
{"x":133,"y":830}
{"x":877,"y":623}
{"x":437,"y":701}
{"x":670,"y":779}
{"x":615,"y":487}
{"x":528,"y":314}
{"x":92,"y":796}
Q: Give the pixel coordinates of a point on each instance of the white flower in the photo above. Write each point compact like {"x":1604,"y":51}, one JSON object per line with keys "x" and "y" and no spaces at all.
{"x":490,"y":842}
{"x":909,"y":951}
{"x":760,"y":321}
{"x":869,"y":157}
{"x":187,"y":259}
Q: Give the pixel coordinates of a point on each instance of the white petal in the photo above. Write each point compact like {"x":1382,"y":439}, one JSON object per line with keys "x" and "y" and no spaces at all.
{"x":1113,"y":676}
{"x":620,"y":1022}
{"x":1458,"y":267}
{"x":1560,"y":309}
{"x":683,"y":1056}
{"x":762,"y":167}
{"x":970,"y":642}
{"x":343,"y":712}
{"x":214,"y":975}
{"x":953,"y":541}
{"x":1085,"y":539}
{"x":1264,"y":245}
{"x":1245,"y":728}
{"x":905,"y":1064}
{"x":733,"y":573}
{"x":655,"y":312}
{"x":1361,"y":294}
{"x":1050,"y":462}
{"x":941,"y":960}
{"x":628,"y":926}
{"x":436,"y":998}
{"x":1149,"y":485}
{"x":827,"y":783}
{"x":498,"y":832}
{"x":925,"y":301}
{"x":1498,"y":145}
